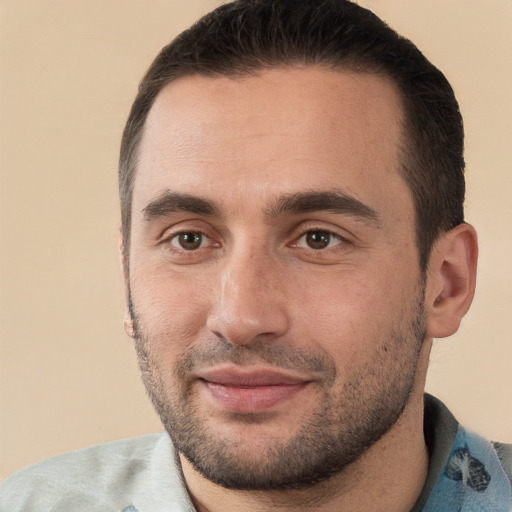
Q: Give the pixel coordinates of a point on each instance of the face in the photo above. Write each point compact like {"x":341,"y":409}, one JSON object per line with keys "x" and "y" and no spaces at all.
{"x":274,"y":281}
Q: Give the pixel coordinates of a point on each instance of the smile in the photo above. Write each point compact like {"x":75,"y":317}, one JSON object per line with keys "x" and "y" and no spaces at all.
{"x":249,"y":392}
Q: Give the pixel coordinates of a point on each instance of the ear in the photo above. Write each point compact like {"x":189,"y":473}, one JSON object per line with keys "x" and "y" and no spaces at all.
{"x":451,"y":280}
{"x":128,"y":320}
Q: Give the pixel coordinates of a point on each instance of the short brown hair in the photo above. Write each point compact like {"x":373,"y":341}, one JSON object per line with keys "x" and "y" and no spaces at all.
{"x":245,"y":36}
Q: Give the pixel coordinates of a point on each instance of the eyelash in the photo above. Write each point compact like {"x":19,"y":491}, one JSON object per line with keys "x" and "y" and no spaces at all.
{"x":324,"y":236}
{"x":183,"y":250}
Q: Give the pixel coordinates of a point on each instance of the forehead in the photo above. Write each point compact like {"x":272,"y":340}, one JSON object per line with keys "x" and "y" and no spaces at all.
{"x":281,"y":131}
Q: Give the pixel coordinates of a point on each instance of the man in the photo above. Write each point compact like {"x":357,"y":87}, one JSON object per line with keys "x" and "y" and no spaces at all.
{"x":293,"y":238}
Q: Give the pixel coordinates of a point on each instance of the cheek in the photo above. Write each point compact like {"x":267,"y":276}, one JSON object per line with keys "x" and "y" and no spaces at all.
{"x":341,"y":320}
{"x":352,"y":313}
{"x":169,"y":307}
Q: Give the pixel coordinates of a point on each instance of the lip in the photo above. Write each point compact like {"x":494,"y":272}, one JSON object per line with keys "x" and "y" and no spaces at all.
{"x":249,"y":390}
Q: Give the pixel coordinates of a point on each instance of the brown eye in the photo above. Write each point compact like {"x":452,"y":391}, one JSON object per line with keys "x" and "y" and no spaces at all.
{"x":319,"y":240}
{"x":188,"y":240}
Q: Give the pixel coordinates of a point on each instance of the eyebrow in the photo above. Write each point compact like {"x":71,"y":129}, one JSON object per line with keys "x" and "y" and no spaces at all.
{"x":329,"y":201}
{"x":171,"y":202}
{"x":301,"y":202}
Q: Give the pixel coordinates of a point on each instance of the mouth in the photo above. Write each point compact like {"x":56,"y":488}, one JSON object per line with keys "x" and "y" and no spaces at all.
{"x":249,"y":390}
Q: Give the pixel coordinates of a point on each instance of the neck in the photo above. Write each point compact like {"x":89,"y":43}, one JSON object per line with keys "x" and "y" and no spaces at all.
{"x":391,"y":472}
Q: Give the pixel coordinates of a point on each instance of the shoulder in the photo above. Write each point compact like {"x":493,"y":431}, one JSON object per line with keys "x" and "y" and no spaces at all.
{"x":466,"y":471}
{"x":504,"y":452}
{"x":103,"y":477}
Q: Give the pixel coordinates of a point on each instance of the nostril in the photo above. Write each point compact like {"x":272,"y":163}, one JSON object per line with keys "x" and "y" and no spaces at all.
{"x":245,"y":329}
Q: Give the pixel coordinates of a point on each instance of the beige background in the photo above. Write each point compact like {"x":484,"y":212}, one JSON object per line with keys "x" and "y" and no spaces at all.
{"x":68,"y":73}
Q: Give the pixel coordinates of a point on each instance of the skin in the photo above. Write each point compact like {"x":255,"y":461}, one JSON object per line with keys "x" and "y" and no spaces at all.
{"x":254,"y":292}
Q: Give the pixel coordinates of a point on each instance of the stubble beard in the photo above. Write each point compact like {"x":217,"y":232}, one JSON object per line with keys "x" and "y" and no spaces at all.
{"x":348,"y":420}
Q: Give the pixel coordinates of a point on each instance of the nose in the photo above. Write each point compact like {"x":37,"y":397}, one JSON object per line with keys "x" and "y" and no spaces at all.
{"x":250,"y":301}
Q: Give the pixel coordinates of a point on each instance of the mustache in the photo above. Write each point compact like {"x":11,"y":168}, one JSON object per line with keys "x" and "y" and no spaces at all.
{"x":271,"y":352}
{"x":274,"y":353}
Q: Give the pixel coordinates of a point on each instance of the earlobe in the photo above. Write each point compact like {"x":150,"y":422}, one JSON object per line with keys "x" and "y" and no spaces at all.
{"x":451,"y":280}
{"x":128,"y":320}
{"x":128,"y":324}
